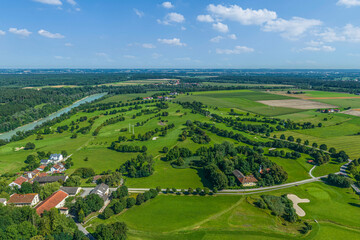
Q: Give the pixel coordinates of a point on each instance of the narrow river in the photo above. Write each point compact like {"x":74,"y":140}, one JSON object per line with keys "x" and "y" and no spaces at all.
{"x":30,"y":126}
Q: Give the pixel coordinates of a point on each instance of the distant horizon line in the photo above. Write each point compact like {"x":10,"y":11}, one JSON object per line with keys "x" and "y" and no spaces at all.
{"x":84,"y":68}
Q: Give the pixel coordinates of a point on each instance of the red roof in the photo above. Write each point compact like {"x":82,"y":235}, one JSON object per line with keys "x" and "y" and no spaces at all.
{"x":20,"y":180}
{"x":248,"y":179}
{"x":43,"y":174}
{"x":51,"y":201}
{"x":95,"y":178}
{"x":22,"y":198}
{"x":42,"y":167}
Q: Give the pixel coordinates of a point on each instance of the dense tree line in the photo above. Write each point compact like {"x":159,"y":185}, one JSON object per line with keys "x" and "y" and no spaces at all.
{"x":221,"y":160}
{"x":176,"y":152}
{"x":338,"y":180}
{"x":279,"y":206}
{"x":195,"y":133}
{"x":127,"y":148}
{"x":24,"y":223}
{"x":84,"y":206}
{"x":141,"y":166}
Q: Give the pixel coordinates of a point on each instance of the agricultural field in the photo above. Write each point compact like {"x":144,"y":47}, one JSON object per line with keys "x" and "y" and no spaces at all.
{"x":245,"y":100}
{"x":139,"y":82}
{"x":342,"y":100}
{"x":224,"y":84}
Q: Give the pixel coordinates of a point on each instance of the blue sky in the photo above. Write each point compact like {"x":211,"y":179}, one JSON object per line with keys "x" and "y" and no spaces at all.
{"x":179,"y":34}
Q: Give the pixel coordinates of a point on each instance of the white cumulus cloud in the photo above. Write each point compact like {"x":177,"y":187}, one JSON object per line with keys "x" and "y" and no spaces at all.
{"x":236,"y":50}
{"x":22,"y":32}
{"x":2,"y":33}
{"x":232,"y":36}
{"x":221,"y":27}
{"x":244,"y":16}
{"x":292,"y":28}
{"x":173,"y":42}
{"x":48,"y":34}
{"x":349,"y":3}
{"x":216,"y":39}
{"x":148,"y":45}
{"x":320,"y":48}
{"x":349,"y":33}
{"x":139,"y":13}
{"x":50,"y":2}
{"x":172,"y":18}
{"x":205,"y":18}
{"x":167,"y":5}
{"x":72,"y":2}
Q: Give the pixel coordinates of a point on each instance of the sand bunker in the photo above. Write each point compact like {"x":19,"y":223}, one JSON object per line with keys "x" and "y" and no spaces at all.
{"x":297,"y":104}
{"x":296,"y":200}
{"x":19,"y":148}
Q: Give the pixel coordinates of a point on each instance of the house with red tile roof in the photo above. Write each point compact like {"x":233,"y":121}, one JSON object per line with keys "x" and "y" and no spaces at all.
{"x":21,"y":200}
{"x":246,"y":181}
{"x":41,"y":168}
{"x":31,"y":175}
{"x":95,"y":178}
{"x":56,"y":200}
{"x":57,"y":168}
{"x":18,"y":182}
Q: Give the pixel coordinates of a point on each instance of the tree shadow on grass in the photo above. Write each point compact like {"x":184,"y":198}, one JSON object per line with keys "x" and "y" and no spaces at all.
{"x":355,"y":204}
{"x":204,"y":180}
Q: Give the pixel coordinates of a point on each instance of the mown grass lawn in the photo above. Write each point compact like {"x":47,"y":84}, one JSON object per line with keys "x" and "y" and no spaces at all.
{"x":297,"y":169}
{"x":233,"y":217}
{"x":330,"y":167}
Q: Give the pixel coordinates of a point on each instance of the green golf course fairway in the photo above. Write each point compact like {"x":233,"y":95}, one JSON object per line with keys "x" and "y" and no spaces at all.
{"x":233,"y":217}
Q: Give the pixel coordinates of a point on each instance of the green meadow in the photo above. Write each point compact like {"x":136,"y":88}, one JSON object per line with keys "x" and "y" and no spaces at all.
{"x":234,"y":217}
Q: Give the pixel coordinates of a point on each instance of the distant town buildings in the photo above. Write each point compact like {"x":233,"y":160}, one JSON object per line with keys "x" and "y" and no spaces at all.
{"x":330,"y":110}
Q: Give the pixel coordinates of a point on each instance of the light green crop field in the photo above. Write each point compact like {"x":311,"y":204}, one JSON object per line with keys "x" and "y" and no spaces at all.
{"x":138,"y":82}
{"x":233,"y":217}
{"x":127,"y":97}
{"x":343,"y":103}
{"x":326,"y":94}
{"x":245,"y":84}
{"x":350,"y":144}
{"x":241,"y":99}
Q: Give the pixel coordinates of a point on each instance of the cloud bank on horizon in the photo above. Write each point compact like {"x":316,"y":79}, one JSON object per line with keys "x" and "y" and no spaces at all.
{"x":211,"y":34}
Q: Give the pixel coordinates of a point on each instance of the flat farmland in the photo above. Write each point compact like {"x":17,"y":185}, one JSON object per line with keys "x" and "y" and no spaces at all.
{"x":241,"y":99}
{"x":139,"y":82}
{"x":350,"y":144}
{"x":297,"y":104}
